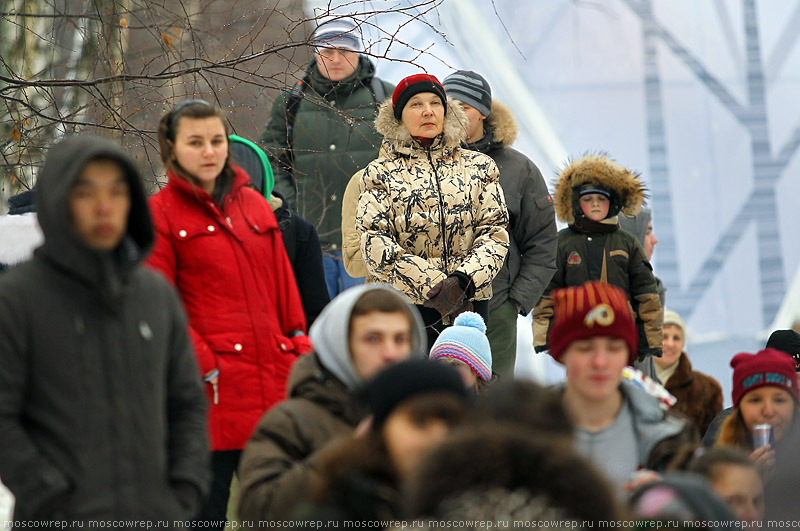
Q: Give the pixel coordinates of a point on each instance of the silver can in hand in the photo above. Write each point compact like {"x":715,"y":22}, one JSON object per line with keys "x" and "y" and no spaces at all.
{"x":762,"y":435}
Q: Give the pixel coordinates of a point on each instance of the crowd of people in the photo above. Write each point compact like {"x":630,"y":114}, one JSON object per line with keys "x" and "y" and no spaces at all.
{"x":338,"y":340}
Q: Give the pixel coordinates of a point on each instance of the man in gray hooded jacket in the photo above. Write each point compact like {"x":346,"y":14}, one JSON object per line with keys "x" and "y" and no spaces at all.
{"x":102,"y":412}
{"x":360,"y":332}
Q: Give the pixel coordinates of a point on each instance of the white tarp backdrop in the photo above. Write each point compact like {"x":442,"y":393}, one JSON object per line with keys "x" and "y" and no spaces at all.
{"x":700,"y":97}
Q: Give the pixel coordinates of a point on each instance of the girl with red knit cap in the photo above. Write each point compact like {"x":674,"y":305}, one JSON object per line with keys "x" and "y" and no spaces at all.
{"x":764,"y":392}
{"x":431,"y":216}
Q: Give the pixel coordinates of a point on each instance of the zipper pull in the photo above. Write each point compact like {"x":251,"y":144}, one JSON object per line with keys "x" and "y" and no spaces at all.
{"x":228,"y":220}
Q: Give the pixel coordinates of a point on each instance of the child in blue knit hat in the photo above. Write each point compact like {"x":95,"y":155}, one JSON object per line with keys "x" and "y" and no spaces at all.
{"x":465,"y":345}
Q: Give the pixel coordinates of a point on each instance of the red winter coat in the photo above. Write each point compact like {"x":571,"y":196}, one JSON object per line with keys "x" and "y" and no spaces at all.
{"x":239,"y":292}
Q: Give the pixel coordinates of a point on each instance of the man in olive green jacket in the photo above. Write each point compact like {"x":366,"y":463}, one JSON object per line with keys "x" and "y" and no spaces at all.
{"x":321,"y":132}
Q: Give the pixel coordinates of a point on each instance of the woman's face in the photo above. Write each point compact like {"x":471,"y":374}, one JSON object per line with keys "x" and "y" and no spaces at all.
{"x":768,"y":405}
{"x":671,"y":346}
{"x":201,"y":148}
{"x":408,"y":439}
{"x":423,"y":115}
{"x":468,"y":376}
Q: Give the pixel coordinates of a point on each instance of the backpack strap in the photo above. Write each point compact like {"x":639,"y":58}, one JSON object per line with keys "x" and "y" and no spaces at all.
{"x":293,"y":102}
{"x":377,"y":89}
{"x":296,"y":95}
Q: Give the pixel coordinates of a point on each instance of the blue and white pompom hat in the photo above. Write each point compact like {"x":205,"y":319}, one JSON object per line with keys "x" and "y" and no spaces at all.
{"x":338,"y":33}
{"x":466,"y":342}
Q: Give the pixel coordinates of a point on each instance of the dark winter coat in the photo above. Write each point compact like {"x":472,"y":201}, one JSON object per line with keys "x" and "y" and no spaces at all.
{"x":305,"y":254}
{"x":230,"y":268}
{"x":637,"y":225}
{"x":699,"y":396}
{"x":712,"y":432}
{"x":590,"y":250}
{"x":284,"y":452}
{"x":357,"y":483}
{"x":102,"y":412}
{"x":426,"y":213}
{"x":531,"y":260}
{"x":496,"y":471}
{"x":333,"y":137}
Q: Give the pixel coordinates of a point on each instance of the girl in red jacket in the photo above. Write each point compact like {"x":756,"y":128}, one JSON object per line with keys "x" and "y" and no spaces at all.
{"x":218,"y":242}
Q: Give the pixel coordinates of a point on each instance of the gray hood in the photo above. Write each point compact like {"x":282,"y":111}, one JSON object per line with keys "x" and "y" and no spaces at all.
{"x":104,"y":271}
{"x":330,"y":330}
{"x":636,"y":225}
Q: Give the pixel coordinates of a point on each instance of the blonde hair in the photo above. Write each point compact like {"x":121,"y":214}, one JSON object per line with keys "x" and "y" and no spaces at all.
{"x":734,"y":432}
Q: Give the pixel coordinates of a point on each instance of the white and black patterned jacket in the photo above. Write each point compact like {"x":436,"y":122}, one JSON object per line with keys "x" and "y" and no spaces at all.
{"x":426,"y":213}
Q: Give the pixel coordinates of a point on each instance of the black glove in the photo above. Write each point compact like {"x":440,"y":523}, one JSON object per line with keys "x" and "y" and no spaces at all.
{"x":188,"y":496}
{"x":447,"y":296}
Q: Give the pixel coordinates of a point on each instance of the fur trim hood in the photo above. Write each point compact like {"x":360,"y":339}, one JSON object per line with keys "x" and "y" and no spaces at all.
{"x":627,"y":190}
{"x":510,"y":459}
{"x":397,"y":136}
{"x":502,"y":124}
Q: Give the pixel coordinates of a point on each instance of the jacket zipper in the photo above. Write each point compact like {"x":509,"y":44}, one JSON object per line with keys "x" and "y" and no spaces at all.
{"x":446,"y":252}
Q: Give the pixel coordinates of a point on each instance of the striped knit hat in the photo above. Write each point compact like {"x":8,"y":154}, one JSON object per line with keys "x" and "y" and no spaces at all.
{"x":595,"y":309}
{"x":470,"y":88}
{"x":338,"y":33}
{"x":466,"y":342}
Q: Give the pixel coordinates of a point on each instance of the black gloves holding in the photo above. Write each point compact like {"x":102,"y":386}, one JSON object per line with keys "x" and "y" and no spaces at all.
{"x":450,"y":297}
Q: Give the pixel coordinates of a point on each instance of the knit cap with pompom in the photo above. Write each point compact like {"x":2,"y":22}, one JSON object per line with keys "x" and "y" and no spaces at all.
{"x":466,"y":342}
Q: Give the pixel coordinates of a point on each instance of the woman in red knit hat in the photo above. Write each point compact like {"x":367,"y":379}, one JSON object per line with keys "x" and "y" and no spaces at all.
{"x":431,"y":216}
{"x":764,"y":392}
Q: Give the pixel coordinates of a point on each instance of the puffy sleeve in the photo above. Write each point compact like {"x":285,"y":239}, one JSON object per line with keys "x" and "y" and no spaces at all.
{"x":384,"y":257}
{"x":490,"y":247}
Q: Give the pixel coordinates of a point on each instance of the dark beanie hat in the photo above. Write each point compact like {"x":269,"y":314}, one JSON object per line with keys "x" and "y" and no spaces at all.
{"x":471,"y":88}
{"x":392,"y":386}
{"x":787,"y":341}
{"x":769,"y":367}
{"x":412,"y":85}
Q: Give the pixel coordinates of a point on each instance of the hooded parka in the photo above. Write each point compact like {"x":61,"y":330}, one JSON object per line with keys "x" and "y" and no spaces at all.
{"x":246,"y":319}
{"x":287,"y":447}
{"x":332,"y":138}
{"x":590,"y":250}
{"x":102,"y":413}
{"x":531,"y":260}
{"x":427,"y":213}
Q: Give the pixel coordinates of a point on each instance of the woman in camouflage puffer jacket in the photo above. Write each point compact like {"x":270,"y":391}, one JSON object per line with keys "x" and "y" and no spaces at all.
{"x":431,"y":215}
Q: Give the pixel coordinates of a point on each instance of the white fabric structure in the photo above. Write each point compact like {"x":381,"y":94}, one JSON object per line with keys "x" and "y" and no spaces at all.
{"x":700,"y":97}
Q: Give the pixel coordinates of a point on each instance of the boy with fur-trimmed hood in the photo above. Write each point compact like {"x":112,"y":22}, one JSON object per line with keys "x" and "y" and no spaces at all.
{"x":589,"y":194}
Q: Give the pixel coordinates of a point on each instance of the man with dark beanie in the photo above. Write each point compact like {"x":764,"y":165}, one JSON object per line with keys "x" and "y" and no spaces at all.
{"x":530,"y":263}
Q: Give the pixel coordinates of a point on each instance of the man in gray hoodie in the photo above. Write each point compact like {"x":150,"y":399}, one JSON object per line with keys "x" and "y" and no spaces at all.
{"x":641,"y":226}
{"x":102,"y":412}
{"x":360,"y":332}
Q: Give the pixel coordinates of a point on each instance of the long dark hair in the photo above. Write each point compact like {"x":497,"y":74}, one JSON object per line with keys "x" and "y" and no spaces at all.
{"x":168,"y":126}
